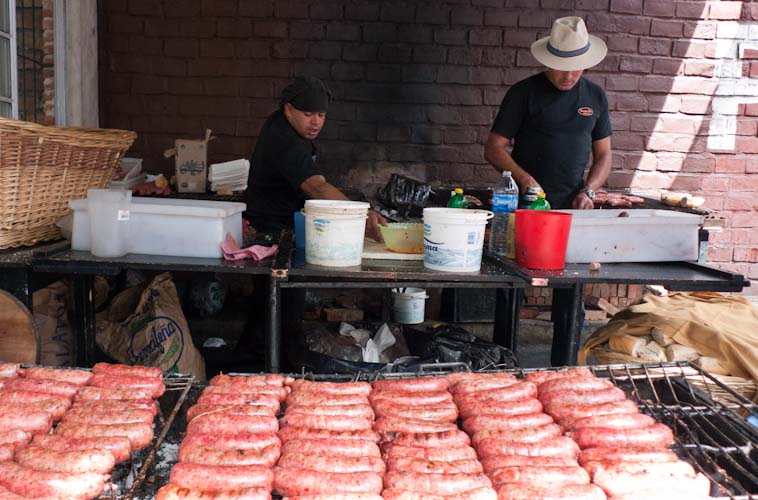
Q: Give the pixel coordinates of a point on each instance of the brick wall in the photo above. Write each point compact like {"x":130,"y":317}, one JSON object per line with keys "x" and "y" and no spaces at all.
{"x":48,"y":72}
{"x":417,"y":85}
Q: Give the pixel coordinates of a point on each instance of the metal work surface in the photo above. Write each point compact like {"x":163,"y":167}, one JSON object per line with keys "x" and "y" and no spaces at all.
{"x":22,"y":256}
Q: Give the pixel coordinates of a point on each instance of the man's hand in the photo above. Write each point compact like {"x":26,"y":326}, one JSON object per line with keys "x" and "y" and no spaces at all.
{"x":582,"y":202}
{"x":372,"y":226}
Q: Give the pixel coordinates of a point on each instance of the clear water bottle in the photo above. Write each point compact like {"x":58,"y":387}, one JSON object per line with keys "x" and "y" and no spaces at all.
{"x":504,"y":202}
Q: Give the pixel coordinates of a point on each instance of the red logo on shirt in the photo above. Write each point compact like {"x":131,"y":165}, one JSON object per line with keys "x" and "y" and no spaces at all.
{"x":585,"y":111}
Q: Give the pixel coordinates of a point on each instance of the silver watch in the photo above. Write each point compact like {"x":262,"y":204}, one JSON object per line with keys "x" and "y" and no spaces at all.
{"x":590,"y":193}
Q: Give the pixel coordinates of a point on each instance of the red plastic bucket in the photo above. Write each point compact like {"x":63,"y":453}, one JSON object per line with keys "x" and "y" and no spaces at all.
{"x":542,"y":238}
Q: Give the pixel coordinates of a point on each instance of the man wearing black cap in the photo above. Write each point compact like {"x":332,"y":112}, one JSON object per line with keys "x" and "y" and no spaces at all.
{"x":285,"y":172}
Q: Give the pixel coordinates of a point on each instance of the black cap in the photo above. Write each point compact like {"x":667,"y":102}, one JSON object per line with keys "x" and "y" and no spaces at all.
{"x":307,"y":93}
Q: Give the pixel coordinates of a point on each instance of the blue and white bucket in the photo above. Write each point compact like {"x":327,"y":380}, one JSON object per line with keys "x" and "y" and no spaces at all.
{"x":409,"y":305}
{"x":454,"y":238}
{"x":334,"y":232}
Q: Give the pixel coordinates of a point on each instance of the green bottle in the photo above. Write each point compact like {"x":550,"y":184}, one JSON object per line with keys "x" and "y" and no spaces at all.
{"x":540,"y":203}
{"x":457,"y":200}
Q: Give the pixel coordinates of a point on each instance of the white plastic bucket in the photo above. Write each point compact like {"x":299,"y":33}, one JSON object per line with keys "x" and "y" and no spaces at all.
{"x":408,"y":305}
{"x":334,"y":232}
{"x":109,"y":221}
{"x":453,"y":239}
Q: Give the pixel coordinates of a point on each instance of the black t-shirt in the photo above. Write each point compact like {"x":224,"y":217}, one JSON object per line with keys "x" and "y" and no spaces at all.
{"x":553,"y":131}
{"x":282,"y":160}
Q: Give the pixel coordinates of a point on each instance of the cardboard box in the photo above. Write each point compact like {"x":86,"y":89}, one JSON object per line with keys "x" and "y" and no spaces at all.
{"x":191,"y":163}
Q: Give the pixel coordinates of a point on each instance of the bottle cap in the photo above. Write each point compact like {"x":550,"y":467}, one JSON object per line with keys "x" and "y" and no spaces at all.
{"x":507,"y":173}
{"x":458,"y":191}
{"x":541,"y":195}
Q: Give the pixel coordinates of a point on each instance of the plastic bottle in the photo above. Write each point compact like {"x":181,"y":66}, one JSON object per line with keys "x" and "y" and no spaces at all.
{"x":528,"y":197}
{"x":504,"y":202}
{"x":457,"y":200}
{"x":540,"y":203}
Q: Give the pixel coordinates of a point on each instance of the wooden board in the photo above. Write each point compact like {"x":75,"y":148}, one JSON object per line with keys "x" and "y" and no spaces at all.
{"x":18,"y":332}
{"x":374,"y":250}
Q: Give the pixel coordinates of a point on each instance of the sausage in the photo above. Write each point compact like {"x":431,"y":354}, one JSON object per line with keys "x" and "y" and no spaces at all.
{"x":89,"y":393}
{"x":419,"y":384}
{"x":221,"y":423}
{"x":616,"y":481}
{"x":490,"y":464}
{"x":344,"y":447}
{"x":140,"y":435}
{"x":627,"y":455}
{"x":117,"y":370}
{"x":574,"y":384}
{"x":273,"y":379}
{"x":363,"y":411}
{"x":9,"y":370}
{"x":525,"y":435}
{"x":653,"y":436}
{"x":505,"y":408}
{"x":290,"y":433}
{"x":152,"y":384}
{"x":26,"y":397}
{"x":41,"y":458}
{"x":208,"y":455}
{"x":15,"y":437}
{"x":673,"y":493}
{"x":54,"y":407}
{"x":6,"y":452}
{"x":485,"y":493}
{"x":54,"y":387}
{"x":434,"y":454}
{"x":498,"y":422}
{"x":616,"y":421}
{"x":561,"y":411}
{"x":220,"y":477}
{"x":445,"y":412}
{"x":294,"y":482}
{"x":384,"y":425}
{"x":474,"y":385}
{"x":36,"y":422}
{"x":171,"y":492}
{"x":435,"y":484}
{"x":39,"y":484}
{"x":600,"y":396}
{"x":280,"y":393}
{"x":446,"y":439}
{"x":560,"y":446}
{"x":240,"y":399}
{"x":115,"y":406}
{"x":540,"y":377}
{"x":85,"y":415}
{"x":676,"y":468}
{"x":555,"y":476}
{"x":413,"y":464}
{"x":338,"y":496}
{"x":72,"y":376}
{"x":521,"y":491}
{"x":454,"y":378}
{"x":327,"y":422}
{"x":513,"y":392}
{"x":314,"y":398}
{"x":412,"y":398}
{"x":320,"y":463}
{"x":362,"y":388}
{"x":119,"y":446}
{"x":241,"y":441}
{"x":249,"y":410}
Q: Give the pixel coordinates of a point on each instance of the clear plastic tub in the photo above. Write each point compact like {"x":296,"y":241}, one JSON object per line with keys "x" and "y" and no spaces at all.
{"x":109,"y":221}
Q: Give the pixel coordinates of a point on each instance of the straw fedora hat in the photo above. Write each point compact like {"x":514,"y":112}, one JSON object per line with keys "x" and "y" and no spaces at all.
{"x":569,"y":47}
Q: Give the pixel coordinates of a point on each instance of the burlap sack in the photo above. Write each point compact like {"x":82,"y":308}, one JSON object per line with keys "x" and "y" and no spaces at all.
{"x":146,"y":326}
{"x":51,"y":316}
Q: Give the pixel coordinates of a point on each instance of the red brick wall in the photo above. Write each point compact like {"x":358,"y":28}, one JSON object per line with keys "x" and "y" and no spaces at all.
{"x":417,"y":85}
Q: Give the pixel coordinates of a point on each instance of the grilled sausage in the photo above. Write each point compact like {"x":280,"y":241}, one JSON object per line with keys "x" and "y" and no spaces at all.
{"x":342,"y":423}
{"x":6,"y":452}
{"x":220,"y":477}
{"x":363,"y":411}
{"x":343,"y":447}
{"x":521,"y":491}
{"x":576,"y":383}
{"x":627,"y":455}
{"x":153,"y":384}
{"x":290,"y":433}
{"x":338,"y":496}
{"x":119,"y":446}
{"x":36,"y":422}
{"x":476,"y":385}
{"x":615,"y":421}
{"x":490,"y":464}
{"x":412,"y":464}
{"x":320,"y":463}
{"x":9,"y":370}
{"x":41,"y":458}
{"x":435,"y":484}
{"x":39,"y":484}
{"x":273,"y":379}
{"x":42,"y":386}
{"x":561,"y":411}
{"x":280,"y":393}
{"x":412,"y":398}
{"x":15,"y":437}
{"x":617,"y":482}
{"x":116,"y":406}
{"x":498,"y":422}
{"x":560,"y":446}
{"x":294,"y":482}
{"x":220,"y":423}
{"x":249,"y":410}
{"x":89,"y":393}
{"x":514,"y":392}
{"x":419,"y":384}
{"x":599,"y":396}
{"x":208,"y":455}
{"x":54,"y":407}
{"x":85,"y":415}
{"x":434,"y":454}
{"x":117,"y":370}
{"x":540,"y":377}
{"x":505,"y":408}
{"x":653,"y":436}
{"x":555,"y":476}
{"x":384,"y":425}
{"x":140,"y":435}
{"x":485,"y":493}
{"x":241,"y":441}
{"x":445,"y":439}
{"x":72,"y":376}
{"x":171,"y":492}
{"x":525,"y":435}
{"x":240,"y":399}
{"x":315,"y":398}
{"x":444,"y":412}
{"x":455,"y":378}
{"x":676,"y":468}
{"x":25,"y":397}
{"x":362,"y":388}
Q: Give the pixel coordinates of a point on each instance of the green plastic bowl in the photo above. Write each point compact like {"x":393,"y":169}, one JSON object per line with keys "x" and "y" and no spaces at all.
{"x":404,"y":237}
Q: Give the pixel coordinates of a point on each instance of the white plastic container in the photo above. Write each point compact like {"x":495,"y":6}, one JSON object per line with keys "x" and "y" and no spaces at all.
{"x":453,"y":239}
{"x":109,"y":224}
{"x":408,"y":305}
{"x":334,"y":232}
{"x":164,"y":226}
{"x":639,"y":236}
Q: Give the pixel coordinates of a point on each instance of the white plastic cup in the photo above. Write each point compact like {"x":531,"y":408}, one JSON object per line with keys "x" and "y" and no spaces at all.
{"x":409,"y":305}
{"x":109,"y":221}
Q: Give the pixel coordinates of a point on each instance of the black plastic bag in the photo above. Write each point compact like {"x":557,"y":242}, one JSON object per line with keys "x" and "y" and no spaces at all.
{"x":407,"y":196}
{"x":454,"y":344}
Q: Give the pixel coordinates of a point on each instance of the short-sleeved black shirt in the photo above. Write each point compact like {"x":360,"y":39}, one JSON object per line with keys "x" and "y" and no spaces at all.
{"x":281,"y":161}
{"x":553,"y":131}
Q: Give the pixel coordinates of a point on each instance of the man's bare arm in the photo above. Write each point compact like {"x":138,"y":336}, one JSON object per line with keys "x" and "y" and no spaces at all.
{"x":599,"y":171}
{"x":496,"y":153}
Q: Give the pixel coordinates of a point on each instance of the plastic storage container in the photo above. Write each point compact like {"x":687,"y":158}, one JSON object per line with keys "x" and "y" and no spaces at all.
{"x":163,"y":226}
{"x":454,"y":239}
{"x":541,"y":238}
{"x":109,"y":222}
{"x":334,"y":232}
{"x":408,"y":305}
{"x":632,"y":235}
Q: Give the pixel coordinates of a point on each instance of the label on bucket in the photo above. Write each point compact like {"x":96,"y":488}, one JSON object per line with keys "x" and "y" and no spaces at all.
{"x":464,"y":255}
{"x":122,"y":215}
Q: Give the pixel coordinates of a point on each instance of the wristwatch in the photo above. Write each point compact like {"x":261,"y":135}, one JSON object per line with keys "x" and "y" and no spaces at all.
{"x":590,"y":193}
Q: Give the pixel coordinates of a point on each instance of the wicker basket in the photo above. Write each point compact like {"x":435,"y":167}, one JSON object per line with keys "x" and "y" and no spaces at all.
{"x":43,"y":168}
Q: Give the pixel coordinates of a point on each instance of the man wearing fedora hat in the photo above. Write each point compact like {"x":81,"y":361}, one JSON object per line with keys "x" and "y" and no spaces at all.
{"x":555,"y":121}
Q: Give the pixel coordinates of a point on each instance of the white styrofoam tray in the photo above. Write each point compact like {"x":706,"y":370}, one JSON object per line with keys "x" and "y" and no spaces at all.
{"x":643,"y":236}
{"x":166,"y":226}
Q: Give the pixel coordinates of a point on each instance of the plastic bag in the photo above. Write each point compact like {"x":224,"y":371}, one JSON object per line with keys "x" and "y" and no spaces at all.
{"x":407,"y":196}
{"x":454,"y":344}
